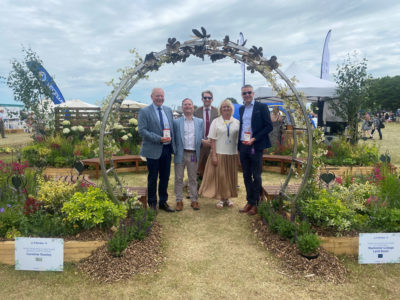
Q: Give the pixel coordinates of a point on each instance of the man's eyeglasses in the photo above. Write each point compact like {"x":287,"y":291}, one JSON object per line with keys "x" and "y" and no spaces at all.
{"x":247,"y":93}
{"x":207,"y":98}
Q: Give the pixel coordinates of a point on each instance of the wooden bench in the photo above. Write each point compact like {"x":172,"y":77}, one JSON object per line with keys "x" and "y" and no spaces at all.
{"x":140,"y":191}
{"x":271,"y":191}
{"x":116,"y":160}
{"x":70,"y":178}
{"x":284,"y":159}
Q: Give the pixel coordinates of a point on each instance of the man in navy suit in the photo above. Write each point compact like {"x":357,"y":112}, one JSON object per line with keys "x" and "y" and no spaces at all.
{"x":255,"y":125}
{"x":188,"y":137}
{"x":155,"y":126}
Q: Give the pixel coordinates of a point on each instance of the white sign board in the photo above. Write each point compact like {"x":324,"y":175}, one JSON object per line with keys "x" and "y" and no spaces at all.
{"x":379,"y":248}
{"x":39,"y":254}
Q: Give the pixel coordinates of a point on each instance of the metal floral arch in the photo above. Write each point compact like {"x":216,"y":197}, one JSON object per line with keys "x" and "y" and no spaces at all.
{"x":202,"y":46}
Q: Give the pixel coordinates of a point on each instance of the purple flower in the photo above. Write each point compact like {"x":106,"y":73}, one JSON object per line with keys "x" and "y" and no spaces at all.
{"x":2,"y":210}
{"x":8,"y":205}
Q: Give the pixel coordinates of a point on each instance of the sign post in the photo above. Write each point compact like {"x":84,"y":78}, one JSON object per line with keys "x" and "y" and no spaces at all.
{"x":379,"y":248}
{"x":39,"y":254}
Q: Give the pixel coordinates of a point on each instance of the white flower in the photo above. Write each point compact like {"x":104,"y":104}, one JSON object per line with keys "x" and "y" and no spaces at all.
{"x":130,"y":135}
{"x":97,"y":123}
{"x":66,"y":122}
{"x":118,"y":126}
{"x":80,"y":128}
{"x":137,"y":128}
{"x":125,"y":137}
{"x":66,"y":130}
{"x":74,"y":128}
{"x":133,"y":122}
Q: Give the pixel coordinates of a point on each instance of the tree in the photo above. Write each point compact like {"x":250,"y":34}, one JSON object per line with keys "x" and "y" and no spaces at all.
{"x":352,"y":80}
{"x":233,"y":100}
{"x":384,"y":93}
{"x":27,"y":88}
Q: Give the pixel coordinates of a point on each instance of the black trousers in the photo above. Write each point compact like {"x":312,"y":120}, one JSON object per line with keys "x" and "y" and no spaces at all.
{"x":379,"y":131}
{"x":159,"y":169}
{"x":251,"y":162}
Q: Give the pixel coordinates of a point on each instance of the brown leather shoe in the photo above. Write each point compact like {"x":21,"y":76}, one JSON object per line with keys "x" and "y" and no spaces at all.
{"x":179,"y":206}
{"x":246,"y":208}
{"x":252,"y":211}
{"x":195,"y":205}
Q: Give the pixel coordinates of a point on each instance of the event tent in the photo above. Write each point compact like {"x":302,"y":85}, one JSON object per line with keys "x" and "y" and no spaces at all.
{"x":312,"y":87}
{"x":132,"y":104}
{"x":76,"y":103}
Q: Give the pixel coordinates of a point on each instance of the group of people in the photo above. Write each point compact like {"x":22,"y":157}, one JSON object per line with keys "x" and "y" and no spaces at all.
{"x":209,"y":143}
{"x":369,"y":126}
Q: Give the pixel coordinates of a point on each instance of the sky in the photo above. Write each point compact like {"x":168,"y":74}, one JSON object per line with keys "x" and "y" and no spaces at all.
{"x":83,"y":43}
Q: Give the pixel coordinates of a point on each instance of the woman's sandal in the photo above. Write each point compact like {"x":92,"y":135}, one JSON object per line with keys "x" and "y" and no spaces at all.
{"x":220,"y":204}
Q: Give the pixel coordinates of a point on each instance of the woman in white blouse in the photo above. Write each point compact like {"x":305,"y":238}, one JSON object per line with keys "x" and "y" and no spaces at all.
{"x":221,"y":171}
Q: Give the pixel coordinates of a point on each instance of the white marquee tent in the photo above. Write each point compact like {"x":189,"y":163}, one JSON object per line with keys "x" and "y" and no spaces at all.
{"x":312,"y":87}
{"x":132,"y":104}
{"x":75,"y":103}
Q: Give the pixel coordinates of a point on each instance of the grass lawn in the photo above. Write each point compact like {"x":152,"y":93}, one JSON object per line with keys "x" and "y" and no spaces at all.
{"x":212,"y":254}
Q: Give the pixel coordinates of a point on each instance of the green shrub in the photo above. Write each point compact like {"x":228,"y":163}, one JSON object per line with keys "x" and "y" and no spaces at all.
{"x":389,"y":188}
{"x":54,"y":193}
{"x":303,"y":228}
{"x":308,"y":243}
{"x":341,"y":152}
{"x":43,"y":224}
{"x":10,"y":218}
{"x":384,"y":220}
{"x":93,"y":208}
{"x":136,"y":227}
{"x":327,"y":211}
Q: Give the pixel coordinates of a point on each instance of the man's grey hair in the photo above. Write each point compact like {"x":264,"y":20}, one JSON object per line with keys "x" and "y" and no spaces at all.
{"x":187,"y":99}
{"x":247,"y":86}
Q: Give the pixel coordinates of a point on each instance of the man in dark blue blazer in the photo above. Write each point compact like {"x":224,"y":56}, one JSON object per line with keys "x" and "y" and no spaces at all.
{"x":155,"y":126}
{"x":255,"y":125}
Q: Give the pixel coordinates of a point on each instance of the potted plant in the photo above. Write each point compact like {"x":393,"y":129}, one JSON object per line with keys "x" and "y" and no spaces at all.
{"x":308,"y":245}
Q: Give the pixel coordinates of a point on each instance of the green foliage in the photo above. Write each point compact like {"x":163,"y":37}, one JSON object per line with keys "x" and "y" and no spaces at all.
{"x":327,"y":211}
{"x":354,"y":196}
{"x":389,"y":188}
{"x":29,"y":89}
{"x":383,"y":93}
{"x":54,"y":193}
{"x":384,"y":220}
{"x":136,"y":227}
{"x":352,"y":81}
{"x":93,"y":208}
{"x":341,"y":152}
{"x":44,"y":224}
{"x":10,"y":218}
{"x":308,"y":243}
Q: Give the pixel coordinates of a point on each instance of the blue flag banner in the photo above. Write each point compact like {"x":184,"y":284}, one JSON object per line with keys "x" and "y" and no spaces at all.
{"x":326,"y":58}
{"x":38,"y":70}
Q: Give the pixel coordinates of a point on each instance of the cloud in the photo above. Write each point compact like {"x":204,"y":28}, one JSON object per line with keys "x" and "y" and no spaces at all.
{"x":83,"y":43}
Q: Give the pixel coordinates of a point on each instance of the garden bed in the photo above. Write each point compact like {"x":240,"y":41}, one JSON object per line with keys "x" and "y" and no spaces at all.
{"x":73,"y":250}
{"x":326,"y":266}
{"x":94,"y":259}
{"x":341,"y":171}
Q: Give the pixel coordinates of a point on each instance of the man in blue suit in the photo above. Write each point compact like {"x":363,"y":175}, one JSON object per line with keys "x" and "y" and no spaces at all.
{"x":188,"y":137}
{"x":155,"y":126}
{"x":255,"y":125}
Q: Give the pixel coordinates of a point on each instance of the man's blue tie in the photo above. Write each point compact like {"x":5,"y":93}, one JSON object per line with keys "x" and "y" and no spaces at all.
{"x":161,"y":118}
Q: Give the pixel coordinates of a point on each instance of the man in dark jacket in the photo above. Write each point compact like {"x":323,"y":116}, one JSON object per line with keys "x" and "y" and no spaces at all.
{"x":255,"y":125}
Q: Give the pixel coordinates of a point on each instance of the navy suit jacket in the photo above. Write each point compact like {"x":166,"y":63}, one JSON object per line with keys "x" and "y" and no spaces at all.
{"x":261,"y":125}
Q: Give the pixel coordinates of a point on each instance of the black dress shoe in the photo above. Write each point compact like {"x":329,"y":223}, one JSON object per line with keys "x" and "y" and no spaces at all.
{"x":166,"y":207}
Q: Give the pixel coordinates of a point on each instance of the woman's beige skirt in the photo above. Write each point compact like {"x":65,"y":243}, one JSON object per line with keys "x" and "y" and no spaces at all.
{"x":220,"y":182}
